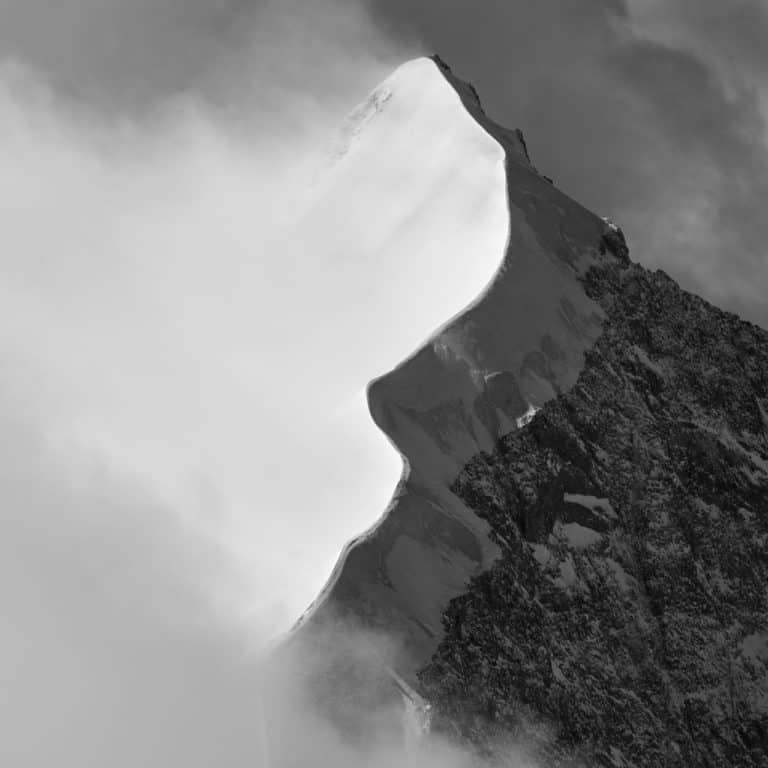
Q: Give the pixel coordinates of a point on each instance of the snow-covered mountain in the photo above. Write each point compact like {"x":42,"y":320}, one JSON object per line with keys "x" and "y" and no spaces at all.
{"x":577,"y":550}
{"x":519,"y":344}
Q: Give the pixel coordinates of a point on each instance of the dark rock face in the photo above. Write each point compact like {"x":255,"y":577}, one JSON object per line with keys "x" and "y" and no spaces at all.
{"x":626,"y":621}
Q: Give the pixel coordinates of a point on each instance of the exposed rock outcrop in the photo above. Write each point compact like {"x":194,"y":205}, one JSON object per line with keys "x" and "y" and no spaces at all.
{"x":629,"y":609}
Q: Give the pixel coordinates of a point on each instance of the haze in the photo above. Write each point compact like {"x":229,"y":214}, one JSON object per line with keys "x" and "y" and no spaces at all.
{"x":194,"y":299}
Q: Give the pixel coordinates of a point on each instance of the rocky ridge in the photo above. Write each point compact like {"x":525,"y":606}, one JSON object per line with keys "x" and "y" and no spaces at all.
{"x":626,"y":621}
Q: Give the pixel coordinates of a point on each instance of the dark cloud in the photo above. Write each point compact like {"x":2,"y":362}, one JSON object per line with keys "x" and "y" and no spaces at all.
{"x":119,"y":51}
{"x":704,"y":129}
{"x":733,"y":34}
{"x":688,"y":100}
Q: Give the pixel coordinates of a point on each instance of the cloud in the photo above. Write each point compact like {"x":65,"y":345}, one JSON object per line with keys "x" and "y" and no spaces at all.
{"x":149,"y":389}
{"x":706,"y":107}
{"x":113,"y":654}
{"x":731,"y":39}
{"x":193,"y":298}
{"x":151,"y":303}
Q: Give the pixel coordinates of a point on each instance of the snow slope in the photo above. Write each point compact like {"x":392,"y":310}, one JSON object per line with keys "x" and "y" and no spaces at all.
{"x":411,"y":221}
{"x":519,"y":343}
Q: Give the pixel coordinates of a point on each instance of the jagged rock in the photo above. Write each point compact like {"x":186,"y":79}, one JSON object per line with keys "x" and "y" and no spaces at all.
{"x":629,"y":608}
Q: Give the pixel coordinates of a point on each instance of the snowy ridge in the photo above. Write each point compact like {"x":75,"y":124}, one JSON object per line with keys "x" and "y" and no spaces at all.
{"x":482,"y":374}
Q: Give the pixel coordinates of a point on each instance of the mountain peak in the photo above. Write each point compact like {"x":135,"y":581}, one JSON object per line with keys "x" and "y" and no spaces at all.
{"x":520,"y":343}
{"x":576,"y":550}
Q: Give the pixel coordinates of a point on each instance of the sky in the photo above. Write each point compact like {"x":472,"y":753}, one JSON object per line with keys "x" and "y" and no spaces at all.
{"x":163,"y":348}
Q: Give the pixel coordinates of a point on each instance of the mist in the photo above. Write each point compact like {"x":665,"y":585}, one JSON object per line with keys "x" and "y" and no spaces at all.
{"x":112,"y":656}
{"x":196,"y":289}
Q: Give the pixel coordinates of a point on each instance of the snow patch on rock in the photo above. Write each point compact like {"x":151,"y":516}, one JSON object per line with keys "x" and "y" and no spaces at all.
{"x":578,"y":536}
{"x":527,"y":417}
{"x":592,"y":503}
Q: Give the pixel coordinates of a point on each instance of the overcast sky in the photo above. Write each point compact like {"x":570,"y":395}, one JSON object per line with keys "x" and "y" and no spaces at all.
{"x":150,"y":149}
